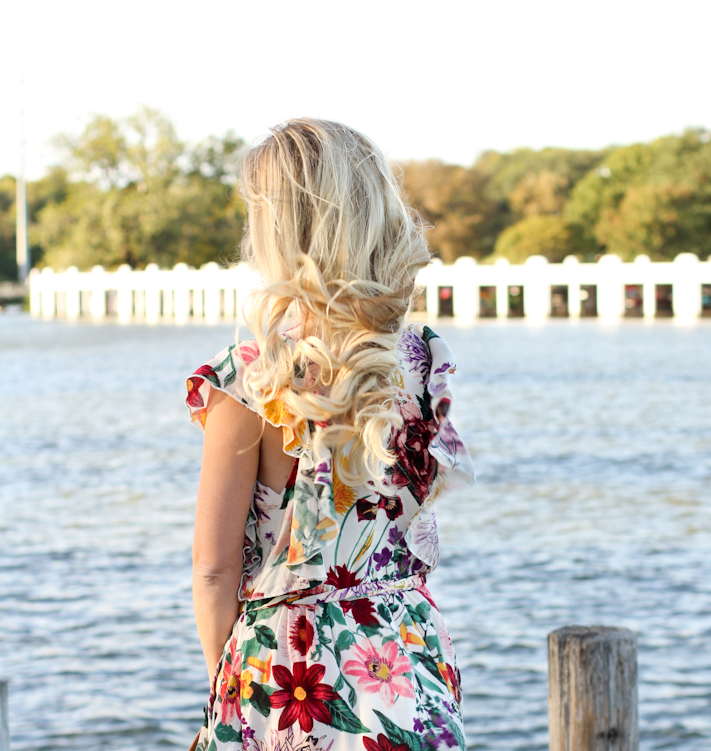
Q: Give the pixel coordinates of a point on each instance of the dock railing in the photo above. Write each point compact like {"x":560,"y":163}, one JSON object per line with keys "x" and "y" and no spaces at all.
{"x":466,"y":290}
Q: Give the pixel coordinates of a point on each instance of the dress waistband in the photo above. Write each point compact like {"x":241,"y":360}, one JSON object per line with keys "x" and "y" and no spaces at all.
{"x":318,"y":595}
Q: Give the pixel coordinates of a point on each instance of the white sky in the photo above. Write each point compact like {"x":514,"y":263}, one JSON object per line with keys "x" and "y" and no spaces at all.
{"x":423,"y":79}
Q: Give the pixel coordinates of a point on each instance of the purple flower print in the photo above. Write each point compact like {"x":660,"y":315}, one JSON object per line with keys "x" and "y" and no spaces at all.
{"x":447,"y":366}
{"x":395,"y":536}
{"x":382,"y":558}
{"x":448,"y":737}
{"x":416,"y":353}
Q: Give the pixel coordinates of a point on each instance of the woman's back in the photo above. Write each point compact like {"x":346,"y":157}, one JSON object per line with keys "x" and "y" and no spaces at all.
{"x":335,"y":642}
{"x":349,"y":564}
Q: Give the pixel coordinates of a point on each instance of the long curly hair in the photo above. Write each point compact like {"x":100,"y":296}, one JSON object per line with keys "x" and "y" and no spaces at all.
{"x":339,"y":249}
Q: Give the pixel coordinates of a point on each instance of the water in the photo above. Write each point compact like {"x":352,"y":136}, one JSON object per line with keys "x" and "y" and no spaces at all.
{"x":593,"y":450}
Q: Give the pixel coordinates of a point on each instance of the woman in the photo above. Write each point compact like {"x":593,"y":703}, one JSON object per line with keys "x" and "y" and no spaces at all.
{"x":325,"y":445}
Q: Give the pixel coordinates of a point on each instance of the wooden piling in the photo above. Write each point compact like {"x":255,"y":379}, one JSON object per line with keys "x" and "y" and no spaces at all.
{"x":592,"y":689}
{"x":4,"y":718}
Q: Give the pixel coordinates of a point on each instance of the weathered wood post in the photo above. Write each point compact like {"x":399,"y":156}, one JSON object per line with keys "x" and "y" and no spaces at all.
{"x":592,"y":689}
{"x":4,"y":718}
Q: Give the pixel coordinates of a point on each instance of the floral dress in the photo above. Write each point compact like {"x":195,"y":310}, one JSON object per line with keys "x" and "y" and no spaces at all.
{"x":338,"y":644}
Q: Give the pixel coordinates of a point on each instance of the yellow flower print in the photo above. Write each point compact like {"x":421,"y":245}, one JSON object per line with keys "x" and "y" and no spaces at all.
{"x":343,"y":495}
{"x":245,"y":680}
{"x":294,"y":432}
{"x":296,"y":551}
{"x":327,"y":529}
{"x":410,"y":638}
{"x":264,"y":667}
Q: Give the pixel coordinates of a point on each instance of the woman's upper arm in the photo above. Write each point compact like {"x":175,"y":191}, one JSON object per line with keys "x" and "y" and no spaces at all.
{"x":230,"y":461}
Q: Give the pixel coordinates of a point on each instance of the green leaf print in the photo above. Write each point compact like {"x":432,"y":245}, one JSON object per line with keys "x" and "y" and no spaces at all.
{"x":260,"y":700}
{"x":250,"y":648}
{"x":227,"y":734}
{"x":336,"y":613}
{"x":265,"y":636}
{"x":397,"y":735}
{"x":426,"y":661}
{"x":253,"y":616}
{"x":424,"y":610}
{"x":415,"y":614}
{"x":352,"y":697}
{"x":369,"y":630}
{"x":426,"y":683}
{"x":338,"y":685}
{"x":342,"y":718}
{"x":281,"y":558}
{"x":383,"y":612}
{"x":344,"y":641}
{"x":212,"y":746}
{"x":428,"y":334}
{"x":424,"y":402}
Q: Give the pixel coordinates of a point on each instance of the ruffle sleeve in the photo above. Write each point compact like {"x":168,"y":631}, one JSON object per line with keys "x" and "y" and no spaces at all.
{"x":314,"y":521}
{"x":446,"y":446}
{"x":454,"y":465}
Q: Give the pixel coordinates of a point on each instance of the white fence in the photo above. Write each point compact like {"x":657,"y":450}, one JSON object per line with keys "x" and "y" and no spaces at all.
{"x":466,"y":290}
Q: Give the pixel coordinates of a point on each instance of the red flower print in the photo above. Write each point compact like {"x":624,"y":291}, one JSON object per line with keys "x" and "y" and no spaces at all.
{"x":302,"y":696}
{"x":230,"y":685}
{"x":342,"y":578}
{"x":302,"y":635}
{"x":194,"y":397}
{"x":415,"y":465}
{"x":363,"y":609}
{"x":367,"y":510}
{"x":451,"y":677}
{"x":383,"y":744}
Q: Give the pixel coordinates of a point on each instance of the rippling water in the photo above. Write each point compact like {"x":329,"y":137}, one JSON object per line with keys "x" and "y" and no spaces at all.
{"x":593,"y":450}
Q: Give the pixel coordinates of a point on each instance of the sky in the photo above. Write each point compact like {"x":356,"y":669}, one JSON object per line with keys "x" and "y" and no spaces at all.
{"x":440,"y":79}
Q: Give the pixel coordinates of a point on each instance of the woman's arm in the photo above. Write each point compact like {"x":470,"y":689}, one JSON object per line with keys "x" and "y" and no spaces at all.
{"x":224,"y":496}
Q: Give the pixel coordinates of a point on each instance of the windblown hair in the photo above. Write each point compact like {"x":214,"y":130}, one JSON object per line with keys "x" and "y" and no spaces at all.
{"x":329,"y":231}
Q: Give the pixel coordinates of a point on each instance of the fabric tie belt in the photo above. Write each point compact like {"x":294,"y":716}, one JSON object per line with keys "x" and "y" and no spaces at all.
{"x":319,"y":595}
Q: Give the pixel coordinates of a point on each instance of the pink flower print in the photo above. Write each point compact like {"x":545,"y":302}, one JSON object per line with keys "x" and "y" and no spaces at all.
{"x":249,"y":352}
{"x":381,"y":670}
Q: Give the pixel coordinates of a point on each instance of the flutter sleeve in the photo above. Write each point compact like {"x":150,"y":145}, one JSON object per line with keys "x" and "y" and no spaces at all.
{"x":223,"y":372}
{"x":430,"y":357}
{"x":446,"y":446}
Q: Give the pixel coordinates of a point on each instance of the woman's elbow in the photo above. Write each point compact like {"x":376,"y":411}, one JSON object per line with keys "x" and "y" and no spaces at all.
{"x":215,"y":572}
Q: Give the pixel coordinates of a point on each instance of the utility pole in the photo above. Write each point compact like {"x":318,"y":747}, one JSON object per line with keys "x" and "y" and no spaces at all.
{"x":23,"y":250}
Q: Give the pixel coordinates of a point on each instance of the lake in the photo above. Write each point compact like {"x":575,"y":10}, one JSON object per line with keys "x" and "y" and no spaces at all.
{"x":592,"y":445}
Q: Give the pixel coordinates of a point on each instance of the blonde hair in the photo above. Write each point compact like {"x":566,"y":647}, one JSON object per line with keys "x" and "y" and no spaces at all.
{"x":329,"y":231}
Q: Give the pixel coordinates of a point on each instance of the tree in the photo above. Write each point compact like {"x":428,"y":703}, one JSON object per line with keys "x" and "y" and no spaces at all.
{"x":450,"y":198}
{"x":8,"y":263}
{"x":659,"y":220}
{"x":139,"y":195}
{"x":538,"y":194}
{"x":649,"y":198}
{"x":551,"y":236}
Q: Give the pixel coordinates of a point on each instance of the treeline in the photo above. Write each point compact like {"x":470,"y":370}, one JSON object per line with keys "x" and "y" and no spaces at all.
{"x":130,"y":191}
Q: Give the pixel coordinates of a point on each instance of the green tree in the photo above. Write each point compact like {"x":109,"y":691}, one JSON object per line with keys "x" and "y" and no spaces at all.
{"x":8,"y":264}
{"x":139,"y":195}
{"x":650,"y":198}
{"x":551,"y":236}
{"x":659,"y":220}
{"x":506,"y":171}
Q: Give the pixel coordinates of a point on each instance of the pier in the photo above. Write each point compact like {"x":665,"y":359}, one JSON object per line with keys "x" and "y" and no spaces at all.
{"x":536,"y":290}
